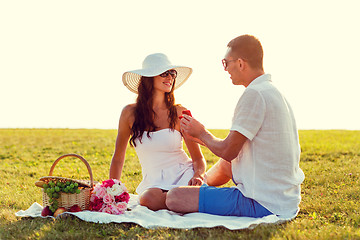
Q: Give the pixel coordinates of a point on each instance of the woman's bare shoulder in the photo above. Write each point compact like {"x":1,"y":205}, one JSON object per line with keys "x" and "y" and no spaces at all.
{"x":129,"y":107}
{"x":128,"y":111}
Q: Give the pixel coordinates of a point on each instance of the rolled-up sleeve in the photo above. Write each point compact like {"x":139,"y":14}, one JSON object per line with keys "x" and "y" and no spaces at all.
{"x":249,"y":114}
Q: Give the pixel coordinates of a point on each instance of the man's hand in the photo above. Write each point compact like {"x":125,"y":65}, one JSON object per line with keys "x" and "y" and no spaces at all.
{"x":190,"y":126}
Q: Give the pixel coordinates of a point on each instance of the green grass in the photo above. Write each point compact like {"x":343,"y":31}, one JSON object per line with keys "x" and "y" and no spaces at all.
{"x":330,"y":206}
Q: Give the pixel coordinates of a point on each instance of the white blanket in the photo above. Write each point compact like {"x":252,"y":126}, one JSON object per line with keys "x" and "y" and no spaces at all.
{"x":162,"y":218}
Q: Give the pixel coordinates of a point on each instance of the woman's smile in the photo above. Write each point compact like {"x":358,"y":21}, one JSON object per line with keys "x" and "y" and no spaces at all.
{"x":169,"y":84}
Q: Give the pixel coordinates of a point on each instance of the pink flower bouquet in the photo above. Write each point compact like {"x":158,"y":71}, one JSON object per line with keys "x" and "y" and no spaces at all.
{"x":110,"y":197}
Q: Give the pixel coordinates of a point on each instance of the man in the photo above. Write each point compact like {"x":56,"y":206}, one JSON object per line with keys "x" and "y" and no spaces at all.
{"x":261,"y":153}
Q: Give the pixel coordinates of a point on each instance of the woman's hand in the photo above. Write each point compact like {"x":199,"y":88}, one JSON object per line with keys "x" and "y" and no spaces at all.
{"x":196,"y":180}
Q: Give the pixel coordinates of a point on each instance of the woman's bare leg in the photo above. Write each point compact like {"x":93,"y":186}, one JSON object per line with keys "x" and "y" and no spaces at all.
{"x":153,"y":198}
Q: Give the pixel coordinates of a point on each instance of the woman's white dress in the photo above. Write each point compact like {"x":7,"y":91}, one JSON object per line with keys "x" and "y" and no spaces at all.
{"x":163,"y":161}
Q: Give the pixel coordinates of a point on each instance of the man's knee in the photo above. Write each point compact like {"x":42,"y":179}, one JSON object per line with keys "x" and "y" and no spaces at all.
{"x":183,"y":199}
{"x":171,"y":199}
{"x":225,"y":167}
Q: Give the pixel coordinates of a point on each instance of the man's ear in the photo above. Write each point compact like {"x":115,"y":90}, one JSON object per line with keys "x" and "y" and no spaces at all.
{"x":241,"y":63}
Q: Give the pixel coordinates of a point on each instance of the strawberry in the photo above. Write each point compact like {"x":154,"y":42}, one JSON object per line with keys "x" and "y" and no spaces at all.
{"x":75,"y":208}
{"x":187,"y":112}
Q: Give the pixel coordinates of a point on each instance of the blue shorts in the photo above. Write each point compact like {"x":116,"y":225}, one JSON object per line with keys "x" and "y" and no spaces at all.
{"x":229,"y":202}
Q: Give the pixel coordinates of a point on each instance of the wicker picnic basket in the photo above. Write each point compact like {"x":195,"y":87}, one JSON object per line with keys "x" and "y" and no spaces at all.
{"x":67,"y":200}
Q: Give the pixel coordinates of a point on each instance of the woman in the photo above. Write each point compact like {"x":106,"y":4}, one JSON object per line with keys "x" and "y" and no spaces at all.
{"x":152,"y":126}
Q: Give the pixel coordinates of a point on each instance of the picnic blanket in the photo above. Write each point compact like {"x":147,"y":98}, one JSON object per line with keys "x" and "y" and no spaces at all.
{"x":163,"y":218}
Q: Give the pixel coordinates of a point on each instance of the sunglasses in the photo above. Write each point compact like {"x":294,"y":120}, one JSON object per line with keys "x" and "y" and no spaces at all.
{"x":173,"y":74}
{"x":225,"y":62}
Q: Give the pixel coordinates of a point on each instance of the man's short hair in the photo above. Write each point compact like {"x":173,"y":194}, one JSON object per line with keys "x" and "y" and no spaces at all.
{"x":248,"y":48}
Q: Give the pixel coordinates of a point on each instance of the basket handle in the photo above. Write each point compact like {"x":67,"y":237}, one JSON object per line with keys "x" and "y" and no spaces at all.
{"x":77,"y":156}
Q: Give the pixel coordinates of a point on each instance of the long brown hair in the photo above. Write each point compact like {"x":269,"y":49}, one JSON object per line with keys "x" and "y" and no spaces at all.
{"x":144,"y":113}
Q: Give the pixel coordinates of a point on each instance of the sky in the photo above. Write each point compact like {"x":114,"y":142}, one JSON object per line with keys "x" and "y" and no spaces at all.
{"x":61,"y":62}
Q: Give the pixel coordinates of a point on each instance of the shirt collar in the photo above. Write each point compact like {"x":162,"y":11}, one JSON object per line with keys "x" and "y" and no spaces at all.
{"x":261,"y":79}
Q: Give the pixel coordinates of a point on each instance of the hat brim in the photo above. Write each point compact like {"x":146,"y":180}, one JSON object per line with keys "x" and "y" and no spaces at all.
{"x":131,"y":79}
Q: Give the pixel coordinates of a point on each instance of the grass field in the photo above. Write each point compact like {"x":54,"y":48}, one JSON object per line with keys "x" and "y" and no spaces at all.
{"x":330,"y":206}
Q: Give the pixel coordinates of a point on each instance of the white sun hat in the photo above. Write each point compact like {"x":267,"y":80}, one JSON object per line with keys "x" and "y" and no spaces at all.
{"x":153,"y":65}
